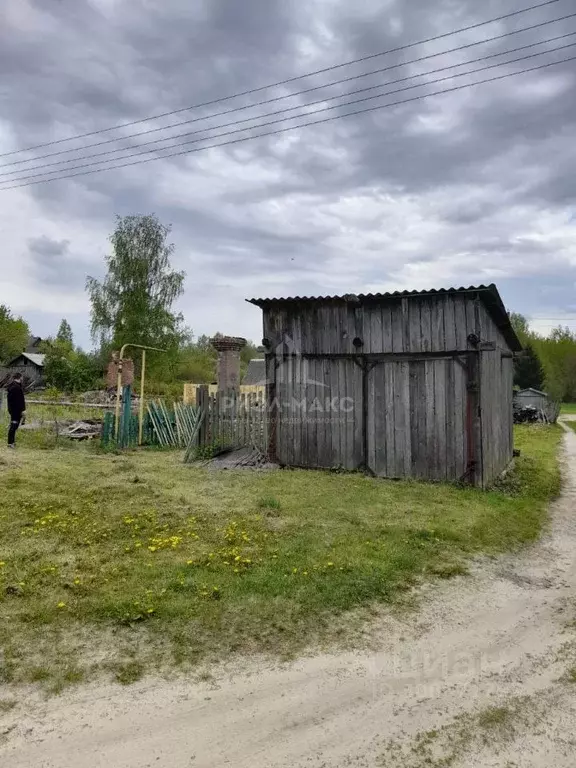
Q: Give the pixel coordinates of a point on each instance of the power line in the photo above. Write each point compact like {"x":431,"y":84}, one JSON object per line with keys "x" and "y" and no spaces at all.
{"x":303,"y":106}
{"x":286,"y":81}
{"x":302,"y":125}
{"x":303,"y":92}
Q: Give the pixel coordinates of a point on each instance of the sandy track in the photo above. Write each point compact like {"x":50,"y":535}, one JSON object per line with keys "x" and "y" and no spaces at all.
{"x":476,"y":642}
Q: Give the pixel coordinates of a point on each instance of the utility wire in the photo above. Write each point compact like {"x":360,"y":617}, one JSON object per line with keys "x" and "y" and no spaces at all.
{"x":282,"y":119}
{"x":302,"y":125}
{"x":42,"y":166}
{"x":301,"y":93}
{"x":261,"y":88}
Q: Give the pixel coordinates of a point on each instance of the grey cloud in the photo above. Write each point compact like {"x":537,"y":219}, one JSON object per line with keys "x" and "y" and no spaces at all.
{"x":53,"y":264}
{"x":81,"y":65}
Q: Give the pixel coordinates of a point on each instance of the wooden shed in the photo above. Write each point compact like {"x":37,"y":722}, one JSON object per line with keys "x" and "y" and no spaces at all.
{"x":405,"y":384}
{"x":548,"y":408}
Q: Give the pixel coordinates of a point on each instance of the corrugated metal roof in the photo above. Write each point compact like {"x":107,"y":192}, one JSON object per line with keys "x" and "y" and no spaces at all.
{"x":488,"y":293}
{"x":362,"y":296}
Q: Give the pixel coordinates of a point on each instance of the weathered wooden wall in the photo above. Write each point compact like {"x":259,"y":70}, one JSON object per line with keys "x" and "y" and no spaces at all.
{"x":415,"y":405}
{"x":404,"y":325}
{"x":319,"y":412}
{"x":417,"y":419}
{"x":496,"y":395}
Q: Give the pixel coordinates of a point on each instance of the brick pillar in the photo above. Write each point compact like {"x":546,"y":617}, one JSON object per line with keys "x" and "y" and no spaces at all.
{"x":112,"y":372}
{"x":228,"y":348}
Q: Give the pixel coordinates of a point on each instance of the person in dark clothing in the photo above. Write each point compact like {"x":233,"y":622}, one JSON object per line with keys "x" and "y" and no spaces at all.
{"x":16,"y":407}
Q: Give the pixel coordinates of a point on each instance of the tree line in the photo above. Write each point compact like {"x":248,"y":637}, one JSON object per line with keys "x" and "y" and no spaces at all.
{"x":548,"y":362}
{"x":133,"y":304}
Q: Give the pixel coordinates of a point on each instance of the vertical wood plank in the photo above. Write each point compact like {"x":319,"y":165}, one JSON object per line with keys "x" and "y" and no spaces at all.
{"x":437,"y":325}
{"x":356,"y":388}
{"x":312,"y":443}
{"x":376,"y":343}
{"x":405,"y":327}
{"x":372,"y":422}
{"x":397,"y":322}
{"x":413,"y":436}
{"x":459,"y":415}
{"x":415,"y":326}
{"x":447,"y":308}
{"x":440,"y":416}
{"x":451,"y":435}
{"x":431,"y":439}
{"x":386,"y":328}
{"x":471,"y":321}
{"x":295,"y":410}
{"x":345,"y":430}
{"x":336,"y":416}
{"x":387,"y":467}
{"x":460,"y":322}
{"x":366,"y":334}
{"x":403,"y":457}
{"x":425,"y":325}
{"x":287,"y":429}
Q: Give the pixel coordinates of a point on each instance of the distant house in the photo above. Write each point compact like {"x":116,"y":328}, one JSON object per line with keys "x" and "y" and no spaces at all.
{"x":255,"y":375}
{"x":539,"y":400}
{"x":30,"y":365}
{"x":531,"y":396}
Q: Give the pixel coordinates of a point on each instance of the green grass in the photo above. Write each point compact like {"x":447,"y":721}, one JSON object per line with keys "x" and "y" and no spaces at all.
{"x":568,"y":408}
{"x":137,"y":562}
{"x":571,"y":424}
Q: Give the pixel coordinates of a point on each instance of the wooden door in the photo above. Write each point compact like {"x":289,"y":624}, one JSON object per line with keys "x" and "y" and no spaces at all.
{"x":416,"y":419}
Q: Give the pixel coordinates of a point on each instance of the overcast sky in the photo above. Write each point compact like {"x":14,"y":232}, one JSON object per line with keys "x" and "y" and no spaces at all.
{"x":474,"y":186}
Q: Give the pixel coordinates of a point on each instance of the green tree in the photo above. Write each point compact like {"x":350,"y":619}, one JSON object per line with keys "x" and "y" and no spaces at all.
{"x":14,"y":334}
{"x":520,"y":325}
{"x":528,"y":370}
{"x":134,"y":302}
{"x":68,"y":369}
{"x":64,"y":335}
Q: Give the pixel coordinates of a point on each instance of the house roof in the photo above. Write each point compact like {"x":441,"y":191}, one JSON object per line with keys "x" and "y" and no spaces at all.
{"x":33,"y":342}
{"x":256,"y":373}
{"x":487,"y":293}
{"x":532,"y":391}
{"x":37,"y":359}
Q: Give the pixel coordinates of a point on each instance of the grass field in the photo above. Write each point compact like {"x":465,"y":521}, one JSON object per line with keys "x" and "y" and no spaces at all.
{"x":568,"y":408}
{"x":123,"y":564}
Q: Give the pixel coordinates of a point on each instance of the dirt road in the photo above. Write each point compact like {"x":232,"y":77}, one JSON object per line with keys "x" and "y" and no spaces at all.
{"x":482,"y":668}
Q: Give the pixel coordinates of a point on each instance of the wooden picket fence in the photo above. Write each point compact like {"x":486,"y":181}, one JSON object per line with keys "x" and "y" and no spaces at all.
{"x":232,"y":419}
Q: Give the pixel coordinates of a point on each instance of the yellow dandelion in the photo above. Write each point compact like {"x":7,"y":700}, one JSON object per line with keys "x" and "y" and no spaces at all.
{"x":152,"y":549}
{"x":61,"y":605}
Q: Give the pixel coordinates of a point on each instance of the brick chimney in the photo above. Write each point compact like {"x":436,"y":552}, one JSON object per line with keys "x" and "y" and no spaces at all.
{"x":228,"y":348}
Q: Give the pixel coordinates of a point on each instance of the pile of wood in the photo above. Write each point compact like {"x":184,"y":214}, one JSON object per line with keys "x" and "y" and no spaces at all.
{"x":82,"y":430}
{"x":248,"y":457}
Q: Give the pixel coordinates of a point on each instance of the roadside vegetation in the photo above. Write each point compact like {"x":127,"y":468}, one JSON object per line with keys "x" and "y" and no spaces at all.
{"x":132,"y":563}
